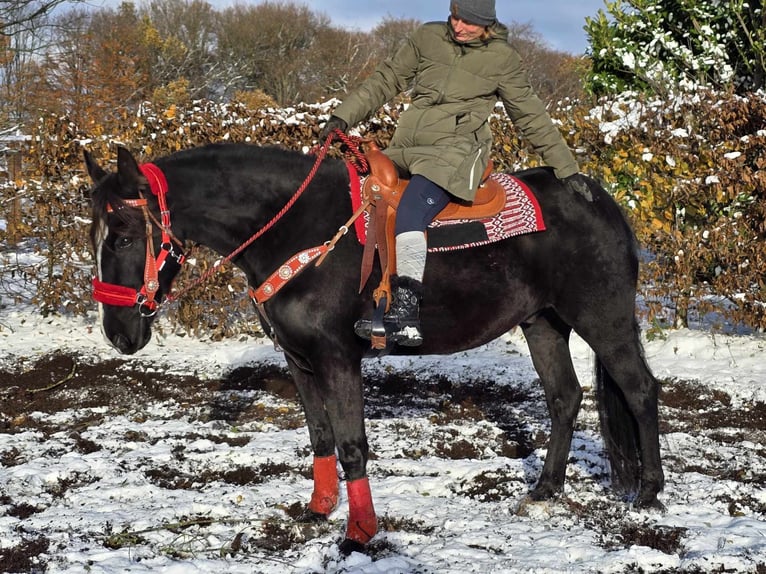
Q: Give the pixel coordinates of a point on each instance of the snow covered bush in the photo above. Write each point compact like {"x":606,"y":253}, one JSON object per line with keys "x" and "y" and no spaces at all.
{"x":666,"y":46}
{"x":690,"y":172}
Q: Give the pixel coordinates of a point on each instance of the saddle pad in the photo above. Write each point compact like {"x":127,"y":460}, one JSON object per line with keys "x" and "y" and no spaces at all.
{"x":521,"y":214}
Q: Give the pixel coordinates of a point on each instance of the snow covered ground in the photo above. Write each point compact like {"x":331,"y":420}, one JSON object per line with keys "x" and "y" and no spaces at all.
{"x":163,"y":485}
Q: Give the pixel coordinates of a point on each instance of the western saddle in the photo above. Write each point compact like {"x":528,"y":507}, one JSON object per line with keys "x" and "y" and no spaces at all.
{"x":383,"y":189}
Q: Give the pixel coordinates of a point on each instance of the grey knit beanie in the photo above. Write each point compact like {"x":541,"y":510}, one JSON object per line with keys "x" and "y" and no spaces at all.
{"x":481,"y":12}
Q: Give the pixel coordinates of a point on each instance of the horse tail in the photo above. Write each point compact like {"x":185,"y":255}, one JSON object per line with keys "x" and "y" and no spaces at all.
{"x":619,"y":429}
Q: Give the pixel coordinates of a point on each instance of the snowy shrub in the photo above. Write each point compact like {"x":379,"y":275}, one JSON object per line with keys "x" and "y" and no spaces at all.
{"x":667,"y":46}
{"x":689,"y":172}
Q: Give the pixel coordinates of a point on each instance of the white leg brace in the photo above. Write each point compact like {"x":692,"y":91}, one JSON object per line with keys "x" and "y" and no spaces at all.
{"x":411,"y":249}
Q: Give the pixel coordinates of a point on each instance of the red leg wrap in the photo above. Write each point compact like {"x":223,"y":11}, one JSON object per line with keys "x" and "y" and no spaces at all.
{"x":362,"y":522}
{"x":324,"y":499}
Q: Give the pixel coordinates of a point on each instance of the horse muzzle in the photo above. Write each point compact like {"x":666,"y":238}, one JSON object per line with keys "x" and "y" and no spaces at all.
{"x":126,"y":328}
{"x":123,"y":344}
{"x":127,"y":338}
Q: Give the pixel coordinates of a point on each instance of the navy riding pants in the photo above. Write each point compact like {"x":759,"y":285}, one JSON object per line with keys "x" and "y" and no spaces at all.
{"x":421,"y":202}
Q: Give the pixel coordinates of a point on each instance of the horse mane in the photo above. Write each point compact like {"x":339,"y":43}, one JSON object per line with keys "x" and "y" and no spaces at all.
{"x":128,"y":221}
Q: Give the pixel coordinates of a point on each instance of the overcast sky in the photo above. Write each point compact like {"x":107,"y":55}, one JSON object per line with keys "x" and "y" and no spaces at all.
{"x":559,"y":22}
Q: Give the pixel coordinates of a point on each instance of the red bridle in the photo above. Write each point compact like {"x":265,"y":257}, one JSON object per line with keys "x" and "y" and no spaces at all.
{"x":122,"y":296}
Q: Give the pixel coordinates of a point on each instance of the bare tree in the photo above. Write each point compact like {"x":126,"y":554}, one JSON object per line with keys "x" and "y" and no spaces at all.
{"x":19,"y":48}
{"x":185,"y":42}
{"x":554,"y":75}
{"x":390,"y":33}
{"x":268,"y":46}
{"x":294,"y":54}
{"x":17,"y":16}
{"x":98,"y":67}
{"x":27,"y":34}
{"x":65,"y":75}
{"x":338,"y":62}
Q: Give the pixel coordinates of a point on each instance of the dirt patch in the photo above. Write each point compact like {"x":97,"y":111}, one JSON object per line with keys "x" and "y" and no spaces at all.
{"x":705,"y":410}
{"x":63,"y":382}
{"x":171,"y":478}
{"x":445,"y":401}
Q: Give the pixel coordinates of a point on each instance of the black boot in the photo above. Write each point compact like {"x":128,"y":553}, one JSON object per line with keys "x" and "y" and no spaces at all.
{"x":402,"y":322}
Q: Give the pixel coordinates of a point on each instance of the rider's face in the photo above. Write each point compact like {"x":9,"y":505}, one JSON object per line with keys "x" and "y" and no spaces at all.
{"x":465,"y":31}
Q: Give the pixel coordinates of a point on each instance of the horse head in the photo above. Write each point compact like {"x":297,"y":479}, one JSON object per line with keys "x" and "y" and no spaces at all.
{"x":137,"y":257}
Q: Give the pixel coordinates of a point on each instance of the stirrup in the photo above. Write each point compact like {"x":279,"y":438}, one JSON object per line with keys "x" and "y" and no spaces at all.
{"x":408,"y":336}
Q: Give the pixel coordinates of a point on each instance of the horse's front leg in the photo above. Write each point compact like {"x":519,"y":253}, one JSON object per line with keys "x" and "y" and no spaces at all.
{"x":341,"y":380}
{"x":334,"y":407}
{"x":324,"y":497}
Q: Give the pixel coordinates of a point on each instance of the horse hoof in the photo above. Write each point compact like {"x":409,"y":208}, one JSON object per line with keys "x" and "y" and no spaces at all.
{"x":311,"y":517}
{"x":650,"y":503}
{"x":531,"y":507}
{"x":348,"y":546}
{"x":543,"y":492}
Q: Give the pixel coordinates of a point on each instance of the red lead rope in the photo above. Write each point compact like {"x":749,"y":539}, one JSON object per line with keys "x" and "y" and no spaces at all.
{"x":353,"y":145}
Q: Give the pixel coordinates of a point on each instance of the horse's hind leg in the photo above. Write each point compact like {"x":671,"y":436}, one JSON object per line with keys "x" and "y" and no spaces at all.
{"x":324,"y":497}
{"x":548,"y":340}
{"x":628,"y":406}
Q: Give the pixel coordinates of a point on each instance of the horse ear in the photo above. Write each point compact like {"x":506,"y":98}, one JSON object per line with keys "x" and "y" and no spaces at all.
{"x":127,"y":170}
{"x":95,"y":171}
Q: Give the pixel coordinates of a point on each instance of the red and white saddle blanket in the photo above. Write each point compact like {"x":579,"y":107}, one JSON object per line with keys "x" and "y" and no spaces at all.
{"x":520,"y":215}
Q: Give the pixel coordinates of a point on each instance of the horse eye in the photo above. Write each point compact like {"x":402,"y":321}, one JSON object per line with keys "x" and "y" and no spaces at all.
{"x":123,"y":242}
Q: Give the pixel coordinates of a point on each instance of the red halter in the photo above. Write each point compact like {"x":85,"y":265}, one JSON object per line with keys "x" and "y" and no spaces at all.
{"x":122,"y":296}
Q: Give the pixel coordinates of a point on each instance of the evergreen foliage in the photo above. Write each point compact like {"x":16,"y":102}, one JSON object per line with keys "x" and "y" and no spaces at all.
{"x":665,"y":46}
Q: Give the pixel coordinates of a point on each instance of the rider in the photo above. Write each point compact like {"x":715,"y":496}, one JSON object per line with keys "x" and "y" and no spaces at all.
{"x":456,"y":71}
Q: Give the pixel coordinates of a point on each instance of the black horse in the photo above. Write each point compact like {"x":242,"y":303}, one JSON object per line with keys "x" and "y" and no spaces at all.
{"x":578,"y":275}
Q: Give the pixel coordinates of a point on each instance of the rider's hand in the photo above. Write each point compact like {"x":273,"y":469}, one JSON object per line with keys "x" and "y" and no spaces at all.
{"x":334,"y":123}
{"x":578,"y":183}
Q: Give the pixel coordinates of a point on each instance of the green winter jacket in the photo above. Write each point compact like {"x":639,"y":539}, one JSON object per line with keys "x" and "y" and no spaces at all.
{"x":444,"y":134}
